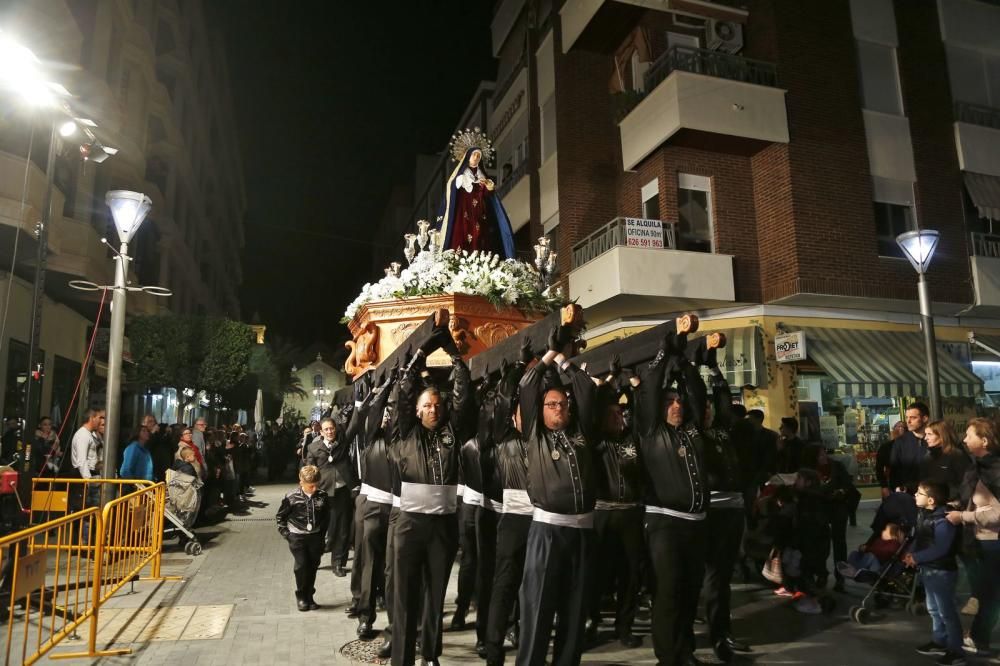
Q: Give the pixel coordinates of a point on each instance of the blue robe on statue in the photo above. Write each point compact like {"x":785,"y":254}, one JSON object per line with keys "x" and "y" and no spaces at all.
{"x":473,"y":217}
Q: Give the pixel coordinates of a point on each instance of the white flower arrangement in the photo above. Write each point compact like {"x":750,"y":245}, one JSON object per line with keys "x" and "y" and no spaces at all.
{"x":501,"y":281}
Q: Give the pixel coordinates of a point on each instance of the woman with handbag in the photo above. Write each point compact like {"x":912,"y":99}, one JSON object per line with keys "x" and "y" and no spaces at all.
{"x":981,"y":518}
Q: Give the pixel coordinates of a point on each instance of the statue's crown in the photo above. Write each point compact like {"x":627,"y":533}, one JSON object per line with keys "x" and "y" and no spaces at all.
{"x":466,"y":140}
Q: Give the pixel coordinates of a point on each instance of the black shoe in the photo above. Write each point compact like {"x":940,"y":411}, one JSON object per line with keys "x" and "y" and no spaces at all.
{"x":629,"y":640}
{"x":481,"y":649}
{"x":380,"y":602}
{"x":364,"y":628}
{"x":339,"y":571}
{"x":723,"y":651}
{"x":301,"y":603}
{"x":932,"y":649}
{"x":312,"y":603}
{"x":839,"y":586}
{"x":952,"y":659}
{"x":735,"y":645}
{"x":385,"y":650}
{"x":351,"y":611}
{"x":458,"y":621}
{"x":692,"y":660}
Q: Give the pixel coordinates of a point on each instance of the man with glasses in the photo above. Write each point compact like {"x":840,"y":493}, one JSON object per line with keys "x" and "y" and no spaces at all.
{"x":198,"y":435}
{"x":561,"y":487}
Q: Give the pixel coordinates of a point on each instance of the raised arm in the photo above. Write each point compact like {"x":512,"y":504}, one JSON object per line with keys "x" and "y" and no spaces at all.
{"x":405,"y":417}
{"x":376,"y":411}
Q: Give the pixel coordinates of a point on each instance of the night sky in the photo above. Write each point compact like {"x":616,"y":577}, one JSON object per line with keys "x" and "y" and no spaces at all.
{"x":333,"y":100}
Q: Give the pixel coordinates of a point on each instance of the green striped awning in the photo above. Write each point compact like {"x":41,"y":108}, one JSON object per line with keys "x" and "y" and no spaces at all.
{"x":742,"y":359}
{"x":869,"y":364}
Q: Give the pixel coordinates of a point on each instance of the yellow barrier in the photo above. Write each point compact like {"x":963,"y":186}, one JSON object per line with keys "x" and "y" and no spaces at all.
{"x":48,"y":591}
{"x":108,"y":548}
{"x":58,"y":496}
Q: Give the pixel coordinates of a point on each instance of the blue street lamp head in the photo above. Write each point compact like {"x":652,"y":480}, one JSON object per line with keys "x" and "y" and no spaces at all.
{"x":128,"y":209}
{"x":918,"y":246}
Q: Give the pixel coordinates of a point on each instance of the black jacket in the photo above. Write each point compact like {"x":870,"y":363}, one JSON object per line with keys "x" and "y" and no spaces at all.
{"x":304,"y":514}
{"x":908,"y":454}
{"x":334,"y":462}
{"x":947,"y":470}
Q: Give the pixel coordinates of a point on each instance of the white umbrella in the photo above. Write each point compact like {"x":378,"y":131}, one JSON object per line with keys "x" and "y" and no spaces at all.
{"x":258,"y":411}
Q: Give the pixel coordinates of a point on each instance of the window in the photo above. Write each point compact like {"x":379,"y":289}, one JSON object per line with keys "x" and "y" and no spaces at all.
{"x":64,"y":377}
{"x":318,"y":380}
{"x":891,"y":220}
{"x":974,"y":76}
{"x":651,"y":199}
{"x":879,"y":78}
{"x":694,"y":213}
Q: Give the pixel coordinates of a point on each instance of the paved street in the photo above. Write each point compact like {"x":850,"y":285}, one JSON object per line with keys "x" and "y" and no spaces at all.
{"x":246,"y":567}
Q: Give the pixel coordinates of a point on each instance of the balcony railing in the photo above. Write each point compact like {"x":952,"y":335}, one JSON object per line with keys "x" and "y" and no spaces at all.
{"x":515,"y":176}
{"x":985,"y":245}
{"x":710,"y":63}
{"x":612,"y":235}
{"x":976,"y":114}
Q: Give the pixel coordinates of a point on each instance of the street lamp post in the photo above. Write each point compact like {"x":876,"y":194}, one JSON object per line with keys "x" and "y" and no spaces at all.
{"x":128,"y":209}
{"x":919,"y":246}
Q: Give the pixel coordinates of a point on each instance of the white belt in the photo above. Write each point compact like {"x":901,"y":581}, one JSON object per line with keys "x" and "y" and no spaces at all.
{"x":472,"y":497}
{"x":378,"y":496}
{"x":428,"y":498}
{"x":395,"y":501}
{"x":364,"y":489}
{"x":517,"y":501}
{"x":603,"y":505}
{"x":577,"y":520}
{"x":492,"y":505}
{"x":461,"y":489}
{"x":675,"y":514}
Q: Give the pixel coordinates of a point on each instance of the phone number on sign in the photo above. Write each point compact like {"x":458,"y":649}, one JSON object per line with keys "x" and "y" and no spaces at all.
{"x":645,"y":242}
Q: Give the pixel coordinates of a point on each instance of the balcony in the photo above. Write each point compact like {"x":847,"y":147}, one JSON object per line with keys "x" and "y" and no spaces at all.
{"x":620,"y":272}
{"x":515,"y":193}
{"x":985,"y":261}
{"x":728,"y":99}
{"x":977,"y":138}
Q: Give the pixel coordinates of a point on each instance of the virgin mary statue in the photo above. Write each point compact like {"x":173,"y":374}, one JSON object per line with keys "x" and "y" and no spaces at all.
{"x":474,"y":217}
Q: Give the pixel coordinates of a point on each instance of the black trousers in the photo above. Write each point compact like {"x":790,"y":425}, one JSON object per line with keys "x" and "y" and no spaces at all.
{"x":619,"y":550}
{"x":390,"y":555}
{"x":839,"y":516}
{"x":486,"y":546}
{"x":511,"y":543}
{"x":469,"y":558}
{"x":357,"y":538}
{"x":726,"y":529}
{"x":339,"y":531}
{"x":307,"y":550}
{"x":557,"y":565}
{"x":424,"y":551}
{"x":677,"y":549}
{"x":375,"y":532}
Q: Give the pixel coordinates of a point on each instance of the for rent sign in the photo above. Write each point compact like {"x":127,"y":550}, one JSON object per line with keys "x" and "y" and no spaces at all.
{"x":790,"y":347}
{"x":643,"y":233}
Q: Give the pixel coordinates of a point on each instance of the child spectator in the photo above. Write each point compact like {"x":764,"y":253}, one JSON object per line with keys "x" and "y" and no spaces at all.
{"x":302,"y":521}
{"x":872,"y":555}
{"x":933,"y":554}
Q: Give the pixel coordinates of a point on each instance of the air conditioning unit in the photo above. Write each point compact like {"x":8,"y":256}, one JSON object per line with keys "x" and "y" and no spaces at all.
{"x":726,"y":36}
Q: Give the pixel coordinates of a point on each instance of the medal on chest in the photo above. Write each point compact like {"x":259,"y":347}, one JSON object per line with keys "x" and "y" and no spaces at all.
{"x":682,"y":451}
{"x":309,"y":527}
{"x":555,"y":454}
{"x":628,"y":451}
{"x":329,"y":458}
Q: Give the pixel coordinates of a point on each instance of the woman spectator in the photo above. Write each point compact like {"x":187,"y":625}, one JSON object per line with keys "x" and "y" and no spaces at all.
{"x":138,"y":461}
{"x":187,"y":441}
{"x":981,"y":517}
{"x":47,"y":454}
{"x":835,"y":486}
{"x":946,"y":461}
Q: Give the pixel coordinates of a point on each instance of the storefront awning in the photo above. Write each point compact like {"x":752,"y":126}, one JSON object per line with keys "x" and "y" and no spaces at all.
{"x":743,"y":356}
{"x":984,"y":191}
{"x":981,"y":354}
{"x":884,"y":363}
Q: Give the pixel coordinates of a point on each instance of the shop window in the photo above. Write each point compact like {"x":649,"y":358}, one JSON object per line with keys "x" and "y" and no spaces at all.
{"x":890,"y":221}
{"x":694,"y":213}
{"x":879,"y":78}
{"x":651,"y":199}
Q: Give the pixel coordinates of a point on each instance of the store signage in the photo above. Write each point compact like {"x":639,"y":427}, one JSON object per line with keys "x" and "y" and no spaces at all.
{"x":643,"y":233}
{"x":790,"y":347}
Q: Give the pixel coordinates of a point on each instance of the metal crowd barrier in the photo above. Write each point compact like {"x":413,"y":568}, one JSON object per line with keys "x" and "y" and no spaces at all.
{"x":55,"y":576}
{"x":59,"y":496}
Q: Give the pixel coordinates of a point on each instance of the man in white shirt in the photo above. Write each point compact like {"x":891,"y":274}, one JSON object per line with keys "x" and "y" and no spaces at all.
{"x":84,"y":447}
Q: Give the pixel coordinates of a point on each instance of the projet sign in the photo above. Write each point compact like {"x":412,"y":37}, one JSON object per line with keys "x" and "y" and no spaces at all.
{"x":790,"y":347}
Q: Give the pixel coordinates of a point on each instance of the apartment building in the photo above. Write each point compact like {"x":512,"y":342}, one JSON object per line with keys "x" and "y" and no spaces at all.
{"x":153,"y":76}
{"x":754,"y":162}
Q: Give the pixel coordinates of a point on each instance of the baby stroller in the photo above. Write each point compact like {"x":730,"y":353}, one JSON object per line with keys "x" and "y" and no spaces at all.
{"x":183,"y":500}
{"x":895,"y":585}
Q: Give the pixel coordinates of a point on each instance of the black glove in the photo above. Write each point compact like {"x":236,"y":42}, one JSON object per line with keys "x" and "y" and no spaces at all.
{"x":554,"y":343}
{"x":525,"y":354}
{"x":283,"y":531}
{"x":448,"y":344}
{"x":616,"y":366}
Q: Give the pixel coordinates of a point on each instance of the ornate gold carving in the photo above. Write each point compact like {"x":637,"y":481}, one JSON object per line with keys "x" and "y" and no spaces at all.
{"x":459,"y":329}
{"x":364,"y":350}
{"x":402,"y":331}
{"x":493,"y":332}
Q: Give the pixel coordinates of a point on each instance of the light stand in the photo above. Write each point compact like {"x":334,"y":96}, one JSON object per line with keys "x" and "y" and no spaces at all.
{"x":919,"y":246}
